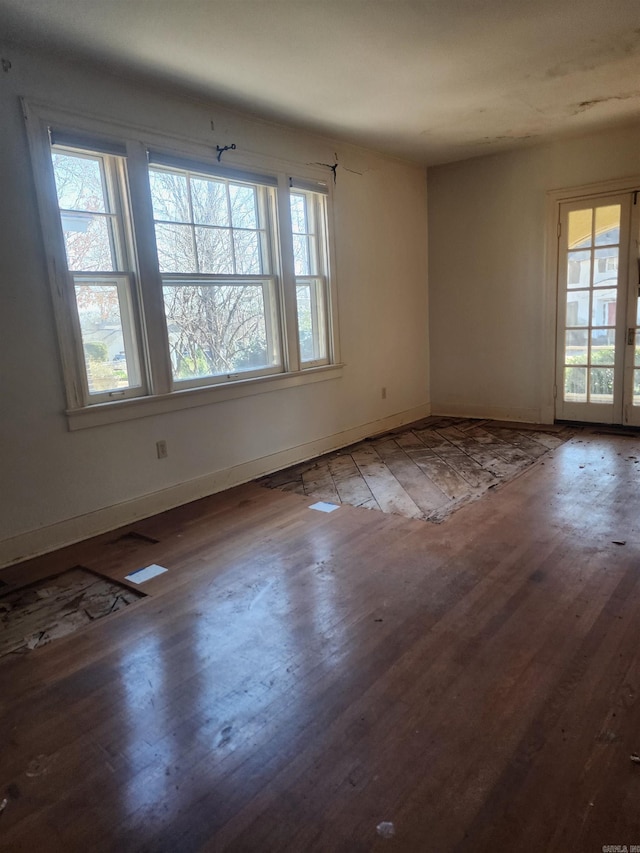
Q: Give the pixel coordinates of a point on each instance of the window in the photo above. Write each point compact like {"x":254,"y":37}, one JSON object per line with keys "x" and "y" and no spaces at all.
{"x":308,"y":222}
{"x":88,"y":187}
{"x":214,"y":246}
{"x":175,"y":273}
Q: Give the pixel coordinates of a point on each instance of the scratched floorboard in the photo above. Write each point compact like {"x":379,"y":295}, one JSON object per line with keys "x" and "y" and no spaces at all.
{"x":426,"y":470}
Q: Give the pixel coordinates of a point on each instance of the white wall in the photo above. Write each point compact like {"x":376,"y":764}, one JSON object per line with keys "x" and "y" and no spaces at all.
{"x":492,"y":325}
{"x":57,"y":485}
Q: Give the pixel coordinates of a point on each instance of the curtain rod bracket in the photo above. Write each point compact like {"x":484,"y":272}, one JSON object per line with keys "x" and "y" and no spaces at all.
{"x":224,"y":148}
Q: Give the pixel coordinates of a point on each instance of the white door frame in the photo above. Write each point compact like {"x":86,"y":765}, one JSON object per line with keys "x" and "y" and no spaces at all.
{"x":554,"y":198}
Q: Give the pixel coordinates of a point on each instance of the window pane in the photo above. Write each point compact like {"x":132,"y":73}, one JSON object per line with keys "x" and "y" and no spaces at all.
{"x":175,"y":248}
{"x":606,"y":267}
{"x":247,"y":250}
{"x":298,"y":214}
{"x":243,"y":206}
{"x":576,"y":346}
{"x":580,"y":223}
{"x":79,"y":182}
{"x":607,"y":224}
{"x":636,"y":387}
{"x":312,"y":328}
{"x":601,"y":385}
{"x":579,"y":269}
{"x":604,"y":308}
{"x":169,"y":195}
{"x":218,"y":329}
{"x":107,"y":363}
{"x":88,"y":242}
{"x":636,"y":359}
{"x":214,"y":251}
{"x":575,"y":384}
{"x":578,"y":308}
{"x":603,"y":346}
{"x":301,"y":255}
{"x":209,"y":199}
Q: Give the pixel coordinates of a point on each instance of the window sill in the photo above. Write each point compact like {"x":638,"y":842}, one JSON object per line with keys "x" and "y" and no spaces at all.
{"x":117,"y":411}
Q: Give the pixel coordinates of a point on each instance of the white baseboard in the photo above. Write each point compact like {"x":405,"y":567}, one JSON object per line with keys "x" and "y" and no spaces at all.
{"x":494,"y":413}
{"x":45,"y":539}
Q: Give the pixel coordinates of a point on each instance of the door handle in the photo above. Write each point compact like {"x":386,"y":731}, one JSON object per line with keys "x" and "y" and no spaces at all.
{"x":631,"y":337}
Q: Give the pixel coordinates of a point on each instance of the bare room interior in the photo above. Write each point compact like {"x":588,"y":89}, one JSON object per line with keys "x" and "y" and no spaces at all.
{"x":320,"y":432}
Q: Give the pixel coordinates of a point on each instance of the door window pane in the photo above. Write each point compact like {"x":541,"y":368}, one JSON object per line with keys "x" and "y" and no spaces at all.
{"x":576,"y":346}
{"x":580,"y":227}
{"x":575,"y":384}
{"x":601,"y":385}
{"x":606,"y":267}
{"x":603,"y":346}
{"x":578,"y":308}
{"x":579,"y":269}
{"x":636,"y":387}
{"x":603,"y":311}
{"x":607,"y":225}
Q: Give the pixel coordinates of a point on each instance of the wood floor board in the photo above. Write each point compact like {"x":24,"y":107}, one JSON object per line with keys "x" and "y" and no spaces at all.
{"x":442,"y":475}
{"x":351,"y":487}
{"x":420,"y":488}
{"x":388,"y":493}
{"x":508,"y":451}
{"x":318,"y":483}
{"x":486,"y":458}
{"x":518,"y":439}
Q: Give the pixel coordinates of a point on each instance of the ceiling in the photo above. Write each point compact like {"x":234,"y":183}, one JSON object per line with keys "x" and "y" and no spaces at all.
{"x":430,"y":80}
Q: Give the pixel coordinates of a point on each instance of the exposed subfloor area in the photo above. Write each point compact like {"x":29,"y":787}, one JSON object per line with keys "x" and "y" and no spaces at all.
{"x":425,"y":470}
{"x":351,"y":681}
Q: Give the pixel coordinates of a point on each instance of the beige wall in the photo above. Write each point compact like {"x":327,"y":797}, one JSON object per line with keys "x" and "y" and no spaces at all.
{"x":59,"y":485}
{"x":492,"y":312}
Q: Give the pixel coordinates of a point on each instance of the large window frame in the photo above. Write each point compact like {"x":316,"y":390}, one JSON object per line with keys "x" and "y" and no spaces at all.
{"x":152,"y":387}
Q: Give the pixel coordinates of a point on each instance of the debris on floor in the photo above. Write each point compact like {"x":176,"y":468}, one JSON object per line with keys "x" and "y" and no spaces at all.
{"x":323,"y":506}
{"x":386,"y":829}
{"x":635,"y":758}
{"x":142,"y":575}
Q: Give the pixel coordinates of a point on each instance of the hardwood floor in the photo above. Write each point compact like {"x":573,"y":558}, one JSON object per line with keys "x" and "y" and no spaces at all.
{"x":297,"y":678}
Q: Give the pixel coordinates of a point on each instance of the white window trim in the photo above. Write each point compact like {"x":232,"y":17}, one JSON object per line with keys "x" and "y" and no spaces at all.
{"x":161,"y":396}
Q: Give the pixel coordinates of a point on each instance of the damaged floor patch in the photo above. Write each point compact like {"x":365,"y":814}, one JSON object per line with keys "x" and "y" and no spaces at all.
{"x":425,"y":470}
{"x":34,"y":615}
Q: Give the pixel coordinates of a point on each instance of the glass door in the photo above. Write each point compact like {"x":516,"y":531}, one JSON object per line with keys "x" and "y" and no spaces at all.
{"x":631,"y":394}
{"x":597,"y":313}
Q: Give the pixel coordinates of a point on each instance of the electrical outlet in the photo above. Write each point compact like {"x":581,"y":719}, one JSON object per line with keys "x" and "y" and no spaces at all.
{"x":384,"y":393}
{"x":161,"y":449}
